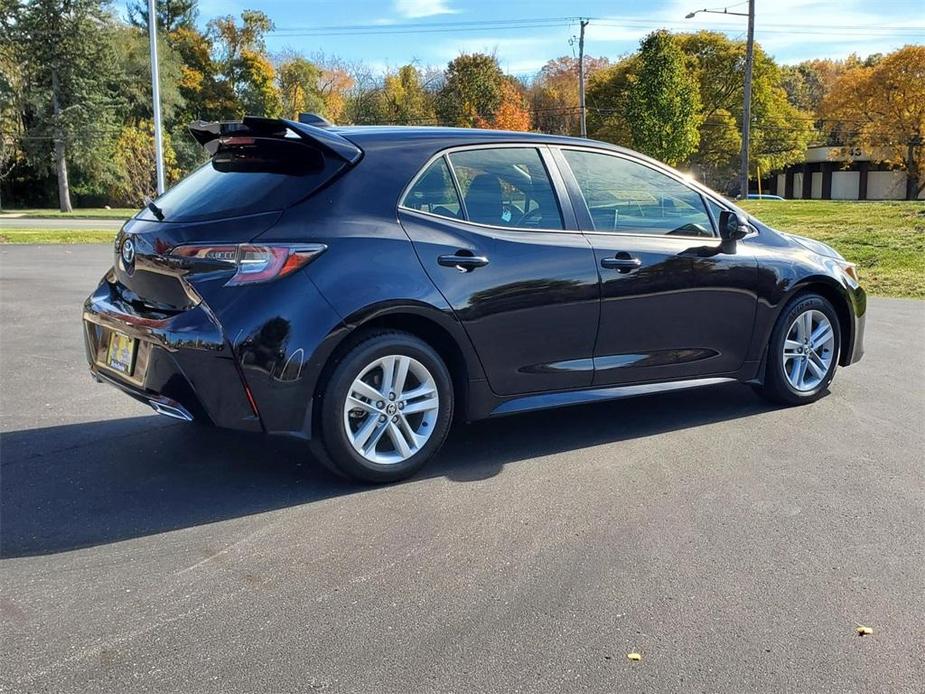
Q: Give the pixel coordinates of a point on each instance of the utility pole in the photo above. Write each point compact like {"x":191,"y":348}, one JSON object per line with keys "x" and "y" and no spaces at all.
{"x":747,"y":105}
{"x":156,"y":96}
{"x":581,"y":77}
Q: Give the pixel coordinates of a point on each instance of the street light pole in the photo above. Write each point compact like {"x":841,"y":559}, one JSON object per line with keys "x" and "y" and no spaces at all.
{"x":747,"y":99}
{"x":747,"y":105}
{"x":156,"y":97}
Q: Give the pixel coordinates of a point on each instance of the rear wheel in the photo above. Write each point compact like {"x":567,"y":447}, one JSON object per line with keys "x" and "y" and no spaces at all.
{"x":387,"y":408}
{"x":803,"y":351}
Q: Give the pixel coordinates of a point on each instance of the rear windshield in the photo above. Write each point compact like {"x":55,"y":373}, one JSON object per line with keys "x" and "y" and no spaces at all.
{"x":243,"y":180}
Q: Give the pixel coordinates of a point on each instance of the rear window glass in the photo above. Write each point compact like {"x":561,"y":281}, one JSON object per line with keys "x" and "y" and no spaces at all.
{"x":435,"y":192}
{"x":506,"y":187}
{"x":241,"y":181}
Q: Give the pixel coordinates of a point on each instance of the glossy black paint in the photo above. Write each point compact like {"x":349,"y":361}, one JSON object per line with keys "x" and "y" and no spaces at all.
{"x":548,"y":320}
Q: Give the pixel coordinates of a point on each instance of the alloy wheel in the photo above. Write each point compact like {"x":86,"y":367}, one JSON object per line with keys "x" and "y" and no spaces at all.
{"x":391,"y":409}
{"x":809,"y":349}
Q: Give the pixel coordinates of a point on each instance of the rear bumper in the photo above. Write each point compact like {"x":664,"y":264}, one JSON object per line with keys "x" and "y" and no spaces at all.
{"x":184,"y":367}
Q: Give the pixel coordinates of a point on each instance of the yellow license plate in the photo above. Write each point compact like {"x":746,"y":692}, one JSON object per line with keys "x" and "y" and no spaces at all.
{"x":121,"y":353}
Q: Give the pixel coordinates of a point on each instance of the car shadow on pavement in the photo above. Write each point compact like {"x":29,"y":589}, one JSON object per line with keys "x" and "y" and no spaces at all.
{"x":80,"y":485}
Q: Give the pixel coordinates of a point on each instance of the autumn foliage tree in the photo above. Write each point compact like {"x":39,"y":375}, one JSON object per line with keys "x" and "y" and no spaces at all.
{"x":882,"y":108}
{"x":780,"y":131}
{"x":298,"y":87}
{"x":512,"y":112}
{"x":553,"y":95}
{"x":403,"y":99}
{"x":244,"y":64}
{"x":134,"y":155}
{"x":472,"y":91}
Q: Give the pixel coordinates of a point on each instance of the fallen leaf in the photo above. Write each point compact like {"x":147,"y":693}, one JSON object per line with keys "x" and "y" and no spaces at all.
{"x":863,"y":630}
{"x":634,"y":656}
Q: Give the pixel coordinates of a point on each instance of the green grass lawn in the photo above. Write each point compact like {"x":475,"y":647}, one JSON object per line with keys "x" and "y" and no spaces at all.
{"x":885,"y":239}
{"x":56,"y":235}
{"x":86,"y":213}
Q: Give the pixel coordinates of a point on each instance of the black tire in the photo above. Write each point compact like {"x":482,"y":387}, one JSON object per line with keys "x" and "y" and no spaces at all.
{"x":776,"y":387}
{"x":341,"y":456}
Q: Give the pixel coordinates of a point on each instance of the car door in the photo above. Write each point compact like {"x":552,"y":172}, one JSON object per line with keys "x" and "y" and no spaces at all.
{"x":490,"y":229}
{"x":676,"y":302}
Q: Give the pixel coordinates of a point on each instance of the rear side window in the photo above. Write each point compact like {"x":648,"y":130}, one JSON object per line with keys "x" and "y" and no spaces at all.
{"x":628,"y":197}
{"x":506,"y":187}
{"x":261,"y":176}
{"x":435,"y":192}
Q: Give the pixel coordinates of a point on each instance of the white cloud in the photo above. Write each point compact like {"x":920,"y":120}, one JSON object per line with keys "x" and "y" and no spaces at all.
{"x":422,"y":8}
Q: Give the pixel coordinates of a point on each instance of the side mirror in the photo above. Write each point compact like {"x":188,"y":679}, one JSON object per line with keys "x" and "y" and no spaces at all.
{"x":732,"y":226}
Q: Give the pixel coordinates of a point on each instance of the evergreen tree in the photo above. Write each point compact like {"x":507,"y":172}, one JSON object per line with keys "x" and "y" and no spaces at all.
{"x":66,"y":64}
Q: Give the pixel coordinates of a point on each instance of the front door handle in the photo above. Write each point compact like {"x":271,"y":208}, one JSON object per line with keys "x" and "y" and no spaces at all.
{"x":622,"y":262}
{"x":464,"y":262}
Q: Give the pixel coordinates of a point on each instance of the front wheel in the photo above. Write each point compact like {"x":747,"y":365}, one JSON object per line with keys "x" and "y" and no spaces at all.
{"x":803,"y":351}
{"x":387,"y":408}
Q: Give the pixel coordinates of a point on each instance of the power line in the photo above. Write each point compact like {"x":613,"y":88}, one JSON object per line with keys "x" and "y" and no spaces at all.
{"x":610,"y":21}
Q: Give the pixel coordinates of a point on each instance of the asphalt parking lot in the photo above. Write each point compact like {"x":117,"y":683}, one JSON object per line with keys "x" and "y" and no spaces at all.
{"x":735,"y":546}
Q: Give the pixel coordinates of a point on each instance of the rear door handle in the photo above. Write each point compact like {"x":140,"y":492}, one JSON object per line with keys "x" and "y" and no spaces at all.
{"x":463,"y":262}
{"x":624,"y":264}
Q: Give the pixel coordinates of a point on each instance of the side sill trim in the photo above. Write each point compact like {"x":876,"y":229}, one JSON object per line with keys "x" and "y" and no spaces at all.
{"x":580,"y":397}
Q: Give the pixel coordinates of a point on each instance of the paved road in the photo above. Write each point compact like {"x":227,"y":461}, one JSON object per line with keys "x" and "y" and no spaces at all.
{"x":55,"y":223}
{"x":733,"y":545}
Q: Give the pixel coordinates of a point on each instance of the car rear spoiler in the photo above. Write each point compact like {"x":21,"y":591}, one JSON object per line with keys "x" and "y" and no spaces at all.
{"x":208,"y":132}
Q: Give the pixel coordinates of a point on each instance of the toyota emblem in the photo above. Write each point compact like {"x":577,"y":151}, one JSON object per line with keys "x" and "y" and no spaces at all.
{"x":128,"y":252}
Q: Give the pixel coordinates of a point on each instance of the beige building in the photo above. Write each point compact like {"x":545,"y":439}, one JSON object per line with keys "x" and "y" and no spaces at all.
{"x":840,"y":173}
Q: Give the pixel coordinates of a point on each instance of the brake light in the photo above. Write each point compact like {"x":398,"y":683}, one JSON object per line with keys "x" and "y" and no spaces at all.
{"x":253,"y":263}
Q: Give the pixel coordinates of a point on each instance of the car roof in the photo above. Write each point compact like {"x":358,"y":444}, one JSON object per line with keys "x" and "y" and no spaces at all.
{"x":373,"y":135}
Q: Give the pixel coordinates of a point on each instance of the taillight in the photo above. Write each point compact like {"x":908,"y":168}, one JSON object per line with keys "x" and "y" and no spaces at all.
{"x":252,"y":263}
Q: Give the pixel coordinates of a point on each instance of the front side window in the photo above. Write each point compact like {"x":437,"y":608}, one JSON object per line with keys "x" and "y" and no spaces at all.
{"x":434,"y":192}
{"x":506,"y":187}
{"x":627,"y":197}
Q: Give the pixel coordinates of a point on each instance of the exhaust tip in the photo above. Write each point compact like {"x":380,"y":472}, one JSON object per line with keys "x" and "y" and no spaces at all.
{"x":171,"y":409}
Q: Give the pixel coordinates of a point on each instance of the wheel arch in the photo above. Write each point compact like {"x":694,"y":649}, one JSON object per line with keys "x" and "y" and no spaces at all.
{"x":441,"y":331}
{"x":836,"y":295}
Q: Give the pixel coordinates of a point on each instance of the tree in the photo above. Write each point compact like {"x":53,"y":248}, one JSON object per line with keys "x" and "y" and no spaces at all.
{"x":606,"y":95}
{"x":512,"y":112}
{"x":472,"y":90}
{"x":662,"y":107}
{"x":11,"y":130}
{"x":171,"y":14}
{"x":132,"y":82}
{"x":242,"y":62}
{"x":66,"y":63}
{"x":205,"y":95}
{"x":298,"y":87}
{"x":780,"y":132}
{"x":334,"y":87}
{"x":553,"y":96}
{"x":134,"y":155}
{"x":882,"y":106}
{"x":403,"y":99}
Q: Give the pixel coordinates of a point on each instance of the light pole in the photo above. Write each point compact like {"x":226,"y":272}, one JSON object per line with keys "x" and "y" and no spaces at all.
{"x":747,"y":105}
{"x":156,"y":97}
{"x":581,"y":78}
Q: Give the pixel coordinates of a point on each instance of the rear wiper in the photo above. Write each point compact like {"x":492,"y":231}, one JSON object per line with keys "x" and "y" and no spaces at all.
{"x":157,"y":211}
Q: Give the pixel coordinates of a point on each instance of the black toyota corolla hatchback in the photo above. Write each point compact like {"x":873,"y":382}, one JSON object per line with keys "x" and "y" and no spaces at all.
{"x":361,"y":287}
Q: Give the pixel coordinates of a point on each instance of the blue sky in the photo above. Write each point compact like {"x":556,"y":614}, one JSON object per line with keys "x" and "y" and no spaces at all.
{"x":432,"y":32}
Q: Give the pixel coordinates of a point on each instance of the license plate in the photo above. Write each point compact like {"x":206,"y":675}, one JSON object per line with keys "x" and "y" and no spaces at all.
{"x":121,"y":353}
